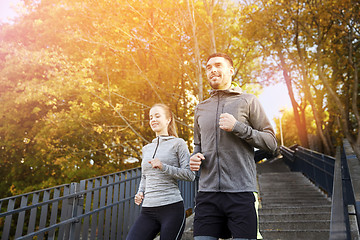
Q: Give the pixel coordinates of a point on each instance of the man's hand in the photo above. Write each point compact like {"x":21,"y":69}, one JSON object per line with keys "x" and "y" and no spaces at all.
{"x":156,"y":163}
{"x":195,"y":161}
{"x":139,"y":197}
{"x":227,"y":122}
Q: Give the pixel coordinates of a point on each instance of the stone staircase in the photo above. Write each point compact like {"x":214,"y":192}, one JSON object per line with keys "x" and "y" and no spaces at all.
{"x":290,"y":205}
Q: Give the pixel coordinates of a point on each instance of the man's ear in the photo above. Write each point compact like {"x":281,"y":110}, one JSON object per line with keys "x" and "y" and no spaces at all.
{"x":232,"y":71}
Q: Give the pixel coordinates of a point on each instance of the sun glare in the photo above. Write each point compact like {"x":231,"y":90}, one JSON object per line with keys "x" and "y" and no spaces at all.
{"x":274,"y":99}
{"x":7,"y":10}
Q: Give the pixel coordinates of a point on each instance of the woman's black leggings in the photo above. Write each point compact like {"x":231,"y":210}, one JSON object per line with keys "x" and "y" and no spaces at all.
{"x":169,"y":220}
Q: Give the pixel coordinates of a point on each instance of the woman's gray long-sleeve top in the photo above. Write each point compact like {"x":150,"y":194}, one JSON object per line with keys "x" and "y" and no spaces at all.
{"x":160,"y":187}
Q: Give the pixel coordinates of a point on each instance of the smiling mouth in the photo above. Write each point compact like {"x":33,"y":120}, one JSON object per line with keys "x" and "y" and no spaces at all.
{"x":214,"y":76}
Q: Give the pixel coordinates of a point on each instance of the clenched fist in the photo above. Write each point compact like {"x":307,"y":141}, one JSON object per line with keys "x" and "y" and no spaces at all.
{"x":139,"y":197}
{"x":195,"y":161}
{"x":227,"y":122}
{"x":156,"y":163}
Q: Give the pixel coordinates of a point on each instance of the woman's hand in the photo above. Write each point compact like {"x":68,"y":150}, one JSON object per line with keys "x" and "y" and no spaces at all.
{"x":156,"y":163}
{"x":139,"y":197}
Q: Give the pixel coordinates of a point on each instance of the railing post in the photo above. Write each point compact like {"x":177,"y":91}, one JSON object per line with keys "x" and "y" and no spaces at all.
{"x":77,"y":204}
{"x":7,"y":225}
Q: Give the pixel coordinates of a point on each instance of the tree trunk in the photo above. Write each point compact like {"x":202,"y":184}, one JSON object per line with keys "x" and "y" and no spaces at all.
{"x":343,"y":121}
{"x":196,"y":50}
{"x":301,"y":127}
{"x":308,"y":96}
{"x":209,"y":10}
{"x":355,"y":88}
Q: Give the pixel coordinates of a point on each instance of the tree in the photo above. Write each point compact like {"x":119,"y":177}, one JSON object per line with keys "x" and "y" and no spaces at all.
{"x":295,"y":33}
{"x":78,"y":79}
{"x":290,"y":135}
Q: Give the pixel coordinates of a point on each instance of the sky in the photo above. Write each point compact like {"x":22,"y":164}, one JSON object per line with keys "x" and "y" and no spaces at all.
{"x":273,"y":98}
{"x":6,"y":9}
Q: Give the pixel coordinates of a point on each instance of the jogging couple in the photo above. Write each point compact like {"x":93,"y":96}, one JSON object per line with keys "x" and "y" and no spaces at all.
{"x":227,"y":127}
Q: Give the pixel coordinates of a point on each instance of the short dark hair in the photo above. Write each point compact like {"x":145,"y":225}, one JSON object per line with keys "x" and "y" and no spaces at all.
{"x":223,"y":55}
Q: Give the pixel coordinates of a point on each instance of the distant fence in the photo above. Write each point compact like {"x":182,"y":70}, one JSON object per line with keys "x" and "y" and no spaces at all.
{"x":96,"y":208}
{"x":316,"y":166}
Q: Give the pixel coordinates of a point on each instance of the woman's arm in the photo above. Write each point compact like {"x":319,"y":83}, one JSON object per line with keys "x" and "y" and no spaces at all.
{"x":183,"y":172}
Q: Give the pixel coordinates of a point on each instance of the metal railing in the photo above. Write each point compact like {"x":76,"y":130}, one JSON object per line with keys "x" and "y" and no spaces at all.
{"x":345,"y":210}
{"x":103,"y":207}
{"x":96,"y":208}
{"x":337,"y":179}
{"x":318,"y":167}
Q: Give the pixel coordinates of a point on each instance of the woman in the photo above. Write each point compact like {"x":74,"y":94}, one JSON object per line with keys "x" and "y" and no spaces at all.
{"x":164,"y":161}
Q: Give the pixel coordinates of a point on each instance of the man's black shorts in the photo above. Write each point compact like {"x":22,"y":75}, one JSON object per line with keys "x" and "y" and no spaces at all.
{"x":225,"y":215}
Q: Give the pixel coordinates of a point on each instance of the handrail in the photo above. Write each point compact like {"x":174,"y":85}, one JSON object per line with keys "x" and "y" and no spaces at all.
{"x":71,"y":220}
{"x":100,"y":207}
{"x":316,"y":166}
{"x":77,"y":194}
{"x":339,"y":216}
{"x":351,"y":181}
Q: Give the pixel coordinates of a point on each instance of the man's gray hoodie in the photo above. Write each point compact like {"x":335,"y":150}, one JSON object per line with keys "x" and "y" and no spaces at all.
{"x":229,"y":164}
{"x":160,"y":187}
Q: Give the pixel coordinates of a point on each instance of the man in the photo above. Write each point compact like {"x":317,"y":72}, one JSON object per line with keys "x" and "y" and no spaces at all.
{"x":227,"y":127}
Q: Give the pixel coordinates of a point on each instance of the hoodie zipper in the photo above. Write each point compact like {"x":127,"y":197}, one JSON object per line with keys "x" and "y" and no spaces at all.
{"x":217,"y":138}
{"x":157,"y":145}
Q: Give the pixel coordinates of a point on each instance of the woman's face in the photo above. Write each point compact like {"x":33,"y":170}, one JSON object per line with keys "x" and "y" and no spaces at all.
{"x":158,"y":121}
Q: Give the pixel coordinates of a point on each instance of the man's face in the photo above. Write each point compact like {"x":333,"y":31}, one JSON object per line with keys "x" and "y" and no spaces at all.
{"x":219,"y":73}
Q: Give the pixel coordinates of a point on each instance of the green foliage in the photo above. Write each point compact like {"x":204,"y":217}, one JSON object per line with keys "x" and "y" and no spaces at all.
{"x":77,"y":81}
{"x":77,"y":78}
{"x":315,"y":45}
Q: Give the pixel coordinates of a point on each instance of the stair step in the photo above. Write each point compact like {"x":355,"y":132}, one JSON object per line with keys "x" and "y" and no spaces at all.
{"x":291,"y":204}
{"x":294,"y":202}
{"x":291,"y":188}
{"x":296,"y":196}
{"x":291,"y":179}
{"x":291,"y":192}
{"x":295,"y":225}
{"x":294,"y":209}
{"x":309,"y":234}
{"x":299,"y":198}
{"x":188,"y":235}
{"x":294,"y":216}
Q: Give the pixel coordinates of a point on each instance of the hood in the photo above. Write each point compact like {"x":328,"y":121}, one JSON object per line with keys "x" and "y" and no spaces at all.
{"x":234,"y":89}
